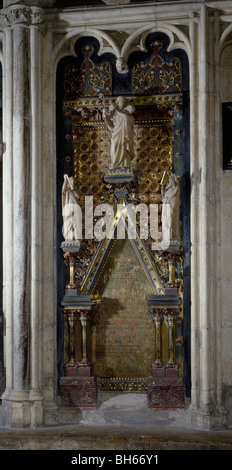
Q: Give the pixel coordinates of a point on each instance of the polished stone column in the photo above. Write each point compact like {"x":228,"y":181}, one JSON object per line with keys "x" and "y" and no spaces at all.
{"x":71,"y":365}
{"x":79,"y":385}
{"x":171,"y":319}
{"x":158,"y":320}
{"x":85,"y":364}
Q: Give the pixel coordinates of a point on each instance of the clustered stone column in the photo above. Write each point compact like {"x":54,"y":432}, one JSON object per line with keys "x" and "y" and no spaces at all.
{"x":170,"y":315}
{"x":165,"y":389}
{"x":71,"y":318}
{"x":78,"y":385}
{"x":158,"y":320}
{"x":85,"y":363}
{"x":22,"y":400}
{"x":73,"y":366}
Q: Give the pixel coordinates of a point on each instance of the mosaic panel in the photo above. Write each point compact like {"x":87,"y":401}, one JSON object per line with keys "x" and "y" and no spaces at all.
{"x":123,"y":325}
{"x":157,"y":75}
{"x":88,"y":79}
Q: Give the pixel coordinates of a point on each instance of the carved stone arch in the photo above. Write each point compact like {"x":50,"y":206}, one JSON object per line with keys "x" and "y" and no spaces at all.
{"x":136,"y":40}
{"x":223,"y":60}
{"x":223,"y":49}
{"x":1,"y":48}
{"x":178,"y":39}
{"x":2,"y":64}
{"x":224,"y":41}
{"x":66,"y":45}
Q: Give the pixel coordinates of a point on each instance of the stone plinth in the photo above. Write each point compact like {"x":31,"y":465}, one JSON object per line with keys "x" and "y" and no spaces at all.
{"x":70,"y":371}
{"x":79,"y":392}
{"x":85,"y":370}
{"x":165,"y":392}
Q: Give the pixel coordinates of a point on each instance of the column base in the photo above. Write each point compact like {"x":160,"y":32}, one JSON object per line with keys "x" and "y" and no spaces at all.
{"x":19,"y":410}
{"x":70,"y":371}
{"x":85,"y":370}
{"x":79,"y":392}
{"x":164,"y":370}
{"x":78,"y":371}
{"x":208,"y":417}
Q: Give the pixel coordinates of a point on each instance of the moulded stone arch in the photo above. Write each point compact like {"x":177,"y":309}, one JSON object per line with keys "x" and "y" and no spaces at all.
{"x":224,"y":40}
{"x":134,"y":42}
{"x":66,"y":46}
{"x":223,"y":57}
{"x":131,"y":45}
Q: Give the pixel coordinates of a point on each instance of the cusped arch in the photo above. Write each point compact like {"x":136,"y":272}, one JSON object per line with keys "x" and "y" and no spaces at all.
{"x":134,"y":42}
{"x":1,"y":51}
{"x":224,"y":41}
{"x":66,"y":45}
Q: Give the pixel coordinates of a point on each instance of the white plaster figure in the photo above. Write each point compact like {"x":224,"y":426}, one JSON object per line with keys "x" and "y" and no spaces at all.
{"x":70,"y":198}
{"x":120,"y":122}
{"x":171,"y":214}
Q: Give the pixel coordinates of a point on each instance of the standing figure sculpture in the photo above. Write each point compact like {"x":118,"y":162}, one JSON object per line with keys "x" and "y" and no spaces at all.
{"x":70,"y":198}
{"x":120,"y":122}
{"x":171,"y":209}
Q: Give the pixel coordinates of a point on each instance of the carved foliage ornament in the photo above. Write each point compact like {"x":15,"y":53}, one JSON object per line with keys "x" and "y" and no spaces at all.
{"x":21,"y":15}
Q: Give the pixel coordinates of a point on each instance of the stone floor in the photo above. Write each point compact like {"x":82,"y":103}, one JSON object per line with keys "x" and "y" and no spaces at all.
{"x":80,"y":437}
{"x":120,"y":423}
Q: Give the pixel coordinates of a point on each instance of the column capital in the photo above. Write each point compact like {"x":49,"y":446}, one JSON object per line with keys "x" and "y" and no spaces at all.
{"x":21,"y":14}
{"x":157,"y":312}
{"x":71,"y":313}
{"x":41,"y":3}
{"x":171,"y":313}
{"x":85,"y":315}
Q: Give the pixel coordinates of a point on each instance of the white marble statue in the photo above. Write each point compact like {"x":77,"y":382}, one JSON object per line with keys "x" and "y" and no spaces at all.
{"x":70,"y":199}
{"x":170,"y":194}
{"x":120,"y":122}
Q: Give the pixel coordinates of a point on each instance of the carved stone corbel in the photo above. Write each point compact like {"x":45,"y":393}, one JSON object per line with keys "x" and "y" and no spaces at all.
{"x":121,"y":65}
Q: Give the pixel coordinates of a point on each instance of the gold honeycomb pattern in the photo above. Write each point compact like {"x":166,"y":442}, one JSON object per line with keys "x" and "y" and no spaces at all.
{"x":91,"y":162}
{"x":154,"y":150}
{"x":154,"y":155}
